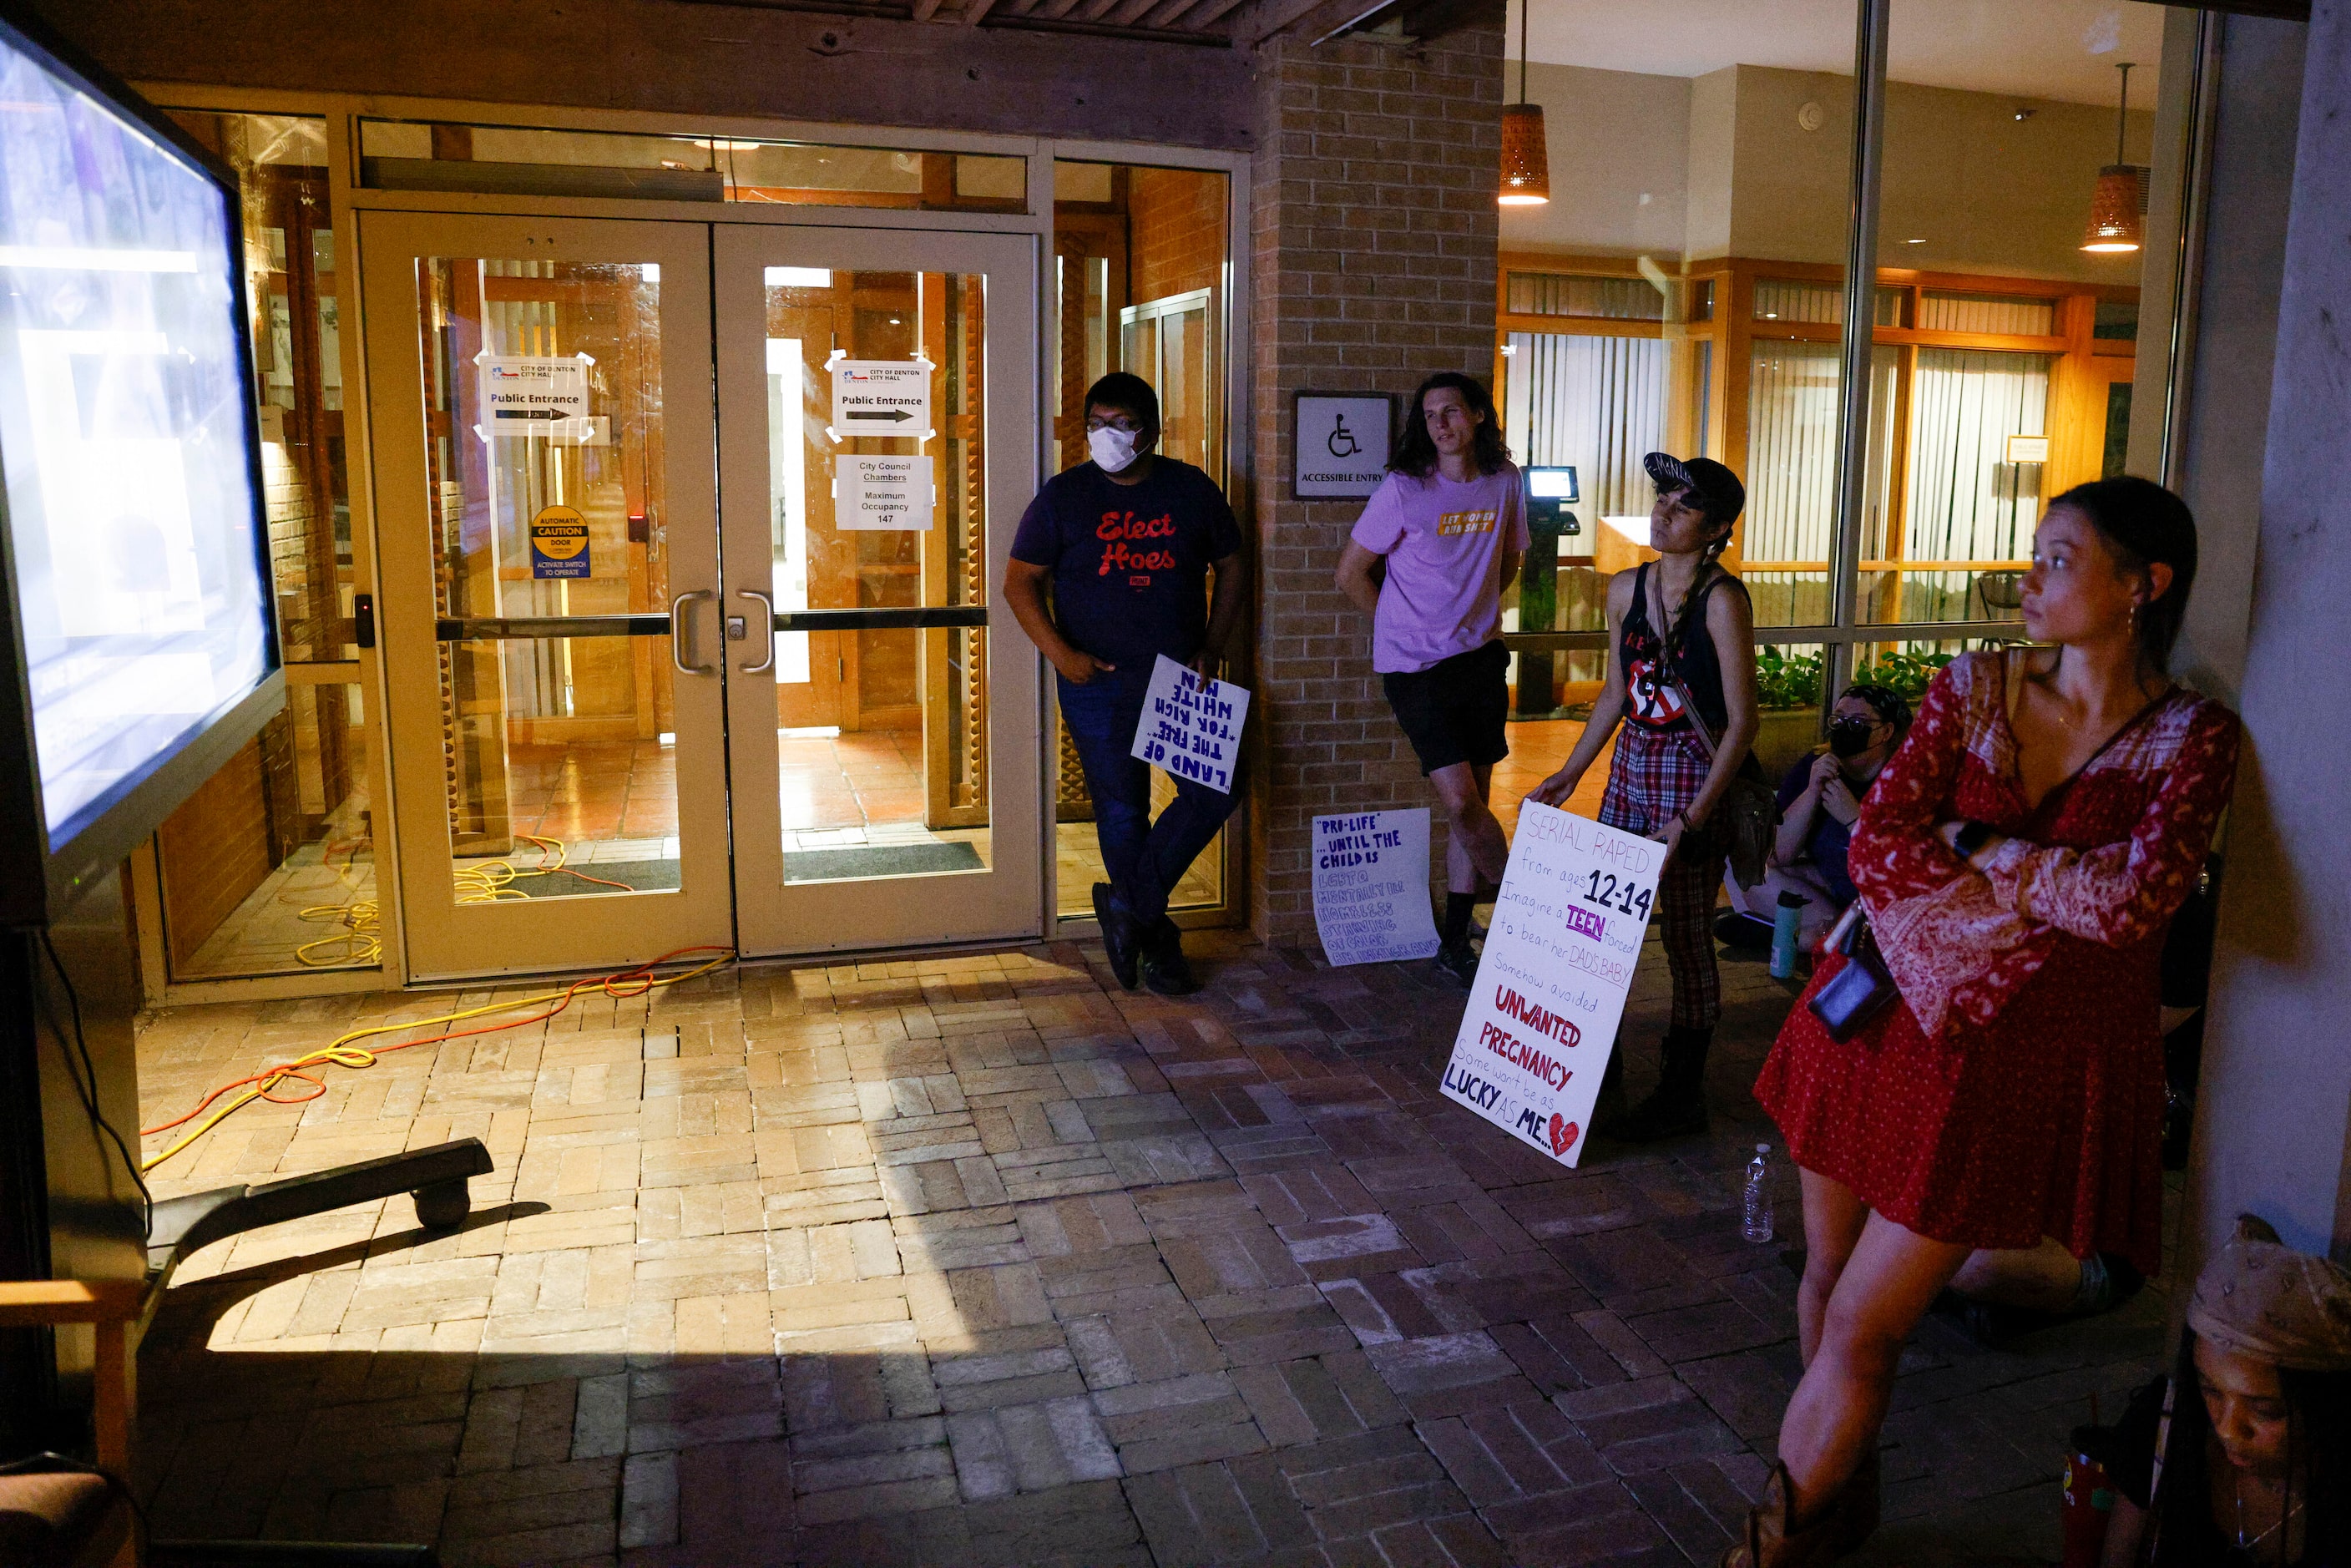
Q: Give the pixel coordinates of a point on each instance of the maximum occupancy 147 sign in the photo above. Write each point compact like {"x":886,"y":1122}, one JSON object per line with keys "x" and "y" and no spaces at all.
{"x":1559,"y":959}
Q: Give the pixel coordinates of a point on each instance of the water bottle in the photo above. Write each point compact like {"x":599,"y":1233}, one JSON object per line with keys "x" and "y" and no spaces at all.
{"x":1755,"y":1221}
{"x":1786,"y":920}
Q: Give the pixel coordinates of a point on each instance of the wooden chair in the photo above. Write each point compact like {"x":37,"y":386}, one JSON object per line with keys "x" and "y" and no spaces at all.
{"x":72,"y":1518}
{"x":66,"y":1517}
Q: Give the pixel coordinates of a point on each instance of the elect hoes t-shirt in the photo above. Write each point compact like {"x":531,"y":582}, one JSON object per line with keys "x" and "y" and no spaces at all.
{"x":1130,"y":562}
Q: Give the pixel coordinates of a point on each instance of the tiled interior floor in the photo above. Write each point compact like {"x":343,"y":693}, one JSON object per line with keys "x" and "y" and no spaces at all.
{"x":298,"y":906}
{"x":836,"y":791}
{"x":982,"y":1261}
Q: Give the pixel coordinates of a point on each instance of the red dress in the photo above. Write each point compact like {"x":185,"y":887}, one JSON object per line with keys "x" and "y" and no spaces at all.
{"x":2017,"y":1089}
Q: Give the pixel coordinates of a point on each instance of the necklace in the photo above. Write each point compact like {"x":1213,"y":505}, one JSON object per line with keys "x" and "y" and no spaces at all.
{"x":2246,"y":1543}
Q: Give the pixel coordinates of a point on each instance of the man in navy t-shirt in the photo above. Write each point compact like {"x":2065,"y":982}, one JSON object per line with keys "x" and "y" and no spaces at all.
{"x":1127,"y":543}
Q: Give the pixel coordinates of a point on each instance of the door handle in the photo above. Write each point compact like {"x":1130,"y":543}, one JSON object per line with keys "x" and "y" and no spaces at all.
{"x":677,"y":631}
{"x":767,"y":619}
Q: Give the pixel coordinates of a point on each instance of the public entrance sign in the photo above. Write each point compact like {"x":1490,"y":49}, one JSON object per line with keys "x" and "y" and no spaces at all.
{"x":1371,"y":886}
{"x":540,"y":395}
{"x":1191,"y":727}
{"x":881,"y":397}
{"x":558,"y":543}
{"x":1559,"y":959}
{"x":875,"y":493}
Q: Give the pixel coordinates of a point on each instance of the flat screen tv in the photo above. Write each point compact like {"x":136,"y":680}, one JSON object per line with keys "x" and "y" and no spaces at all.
{"x":139,"y":649}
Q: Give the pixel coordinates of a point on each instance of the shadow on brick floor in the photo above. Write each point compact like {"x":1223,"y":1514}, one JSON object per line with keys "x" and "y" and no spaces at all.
{"x":981,"y":1260}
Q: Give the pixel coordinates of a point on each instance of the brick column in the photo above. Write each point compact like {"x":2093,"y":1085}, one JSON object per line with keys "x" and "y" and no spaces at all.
{"x":1373,"y":240}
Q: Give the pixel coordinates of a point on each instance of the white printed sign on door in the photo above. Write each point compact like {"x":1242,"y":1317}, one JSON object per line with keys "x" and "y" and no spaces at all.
{"x":1551,"y":988}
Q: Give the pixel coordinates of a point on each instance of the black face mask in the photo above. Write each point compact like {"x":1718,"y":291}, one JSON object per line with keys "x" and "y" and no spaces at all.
{"x":1850,"y":737}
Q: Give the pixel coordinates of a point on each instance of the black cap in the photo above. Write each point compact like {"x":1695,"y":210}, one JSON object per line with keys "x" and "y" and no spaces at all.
{"x":1717,"y":488}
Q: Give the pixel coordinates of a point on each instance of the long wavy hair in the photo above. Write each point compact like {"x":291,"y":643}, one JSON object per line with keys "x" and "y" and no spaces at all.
{"x":2318,"y":1437}
{"x":1416,"y":454}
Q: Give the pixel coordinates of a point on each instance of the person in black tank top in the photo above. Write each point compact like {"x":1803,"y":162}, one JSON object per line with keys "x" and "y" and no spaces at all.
{"x":1685,"y":638}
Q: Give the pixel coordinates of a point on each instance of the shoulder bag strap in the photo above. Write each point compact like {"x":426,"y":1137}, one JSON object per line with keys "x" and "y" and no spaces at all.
{"x":1666,"y":660}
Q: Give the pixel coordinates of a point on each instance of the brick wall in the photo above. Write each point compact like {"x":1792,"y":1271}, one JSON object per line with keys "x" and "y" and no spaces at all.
{"x":1374,"y":237}
{"x":215,"y":850}
{"x":1175,"y":232}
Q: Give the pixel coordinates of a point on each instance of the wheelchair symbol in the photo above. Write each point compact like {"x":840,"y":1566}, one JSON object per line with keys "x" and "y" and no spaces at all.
{"x":1342,"y":441}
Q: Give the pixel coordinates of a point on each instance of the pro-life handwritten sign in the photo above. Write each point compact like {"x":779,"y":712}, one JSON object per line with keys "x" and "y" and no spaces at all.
{"x":1559,"y":959}
{"x":1191,"y":727}
{"x":1371,"y":886}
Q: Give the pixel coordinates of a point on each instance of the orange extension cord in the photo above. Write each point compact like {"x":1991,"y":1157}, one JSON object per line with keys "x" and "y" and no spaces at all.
{"x":265,"y":1083}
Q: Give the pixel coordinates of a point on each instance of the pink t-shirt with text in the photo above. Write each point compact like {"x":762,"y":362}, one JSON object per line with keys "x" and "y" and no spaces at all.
{"x":1444,"y":543}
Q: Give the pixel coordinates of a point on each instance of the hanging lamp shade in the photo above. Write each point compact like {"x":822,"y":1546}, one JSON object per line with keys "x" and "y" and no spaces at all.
{"x":1526,"y":164}
{"x":2117,"y":211}
{"x":2118,"y":205}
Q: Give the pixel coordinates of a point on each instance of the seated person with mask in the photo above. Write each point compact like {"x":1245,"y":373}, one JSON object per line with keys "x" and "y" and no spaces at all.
{"x":1820,"y":800}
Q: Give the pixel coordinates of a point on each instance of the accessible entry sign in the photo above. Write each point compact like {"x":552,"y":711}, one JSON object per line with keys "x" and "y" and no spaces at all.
{"x":1559,"y":959}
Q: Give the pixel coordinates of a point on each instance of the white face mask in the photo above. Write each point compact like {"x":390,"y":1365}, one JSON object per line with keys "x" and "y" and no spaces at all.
{"x":1113,"y":448}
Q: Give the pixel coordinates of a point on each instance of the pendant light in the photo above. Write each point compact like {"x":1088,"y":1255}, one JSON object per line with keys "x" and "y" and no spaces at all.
{"x":2118,"y":209}
{"x":1526,"y":164}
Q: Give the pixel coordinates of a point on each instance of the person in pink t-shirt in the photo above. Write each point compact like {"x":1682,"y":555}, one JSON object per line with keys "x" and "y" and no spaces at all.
{"x":1450,"y":524}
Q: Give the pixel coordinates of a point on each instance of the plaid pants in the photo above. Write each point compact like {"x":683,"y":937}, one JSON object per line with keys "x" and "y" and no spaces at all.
{"x":1652,"y":776}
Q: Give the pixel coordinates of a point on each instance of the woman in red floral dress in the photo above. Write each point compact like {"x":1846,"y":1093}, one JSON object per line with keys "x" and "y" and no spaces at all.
{"x":2019,"y":860}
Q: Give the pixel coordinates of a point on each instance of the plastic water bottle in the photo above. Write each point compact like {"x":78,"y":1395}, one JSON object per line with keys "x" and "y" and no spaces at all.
{"x":1787,"y":920}
{"x":1755,"y":1222}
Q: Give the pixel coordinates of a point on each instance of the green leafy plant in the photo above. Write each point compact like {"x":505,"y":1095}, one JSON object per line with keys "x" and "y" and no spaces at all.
{"x":1784,"y":682}
{"x":1907,"y":674}
{"x":1793,"y":681}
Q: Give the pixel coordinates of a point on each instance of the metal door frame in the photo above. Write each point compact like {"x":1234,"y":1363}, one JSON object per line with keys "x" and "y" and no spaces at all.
{"x":446,"y":940}
{"x":775,"y":918}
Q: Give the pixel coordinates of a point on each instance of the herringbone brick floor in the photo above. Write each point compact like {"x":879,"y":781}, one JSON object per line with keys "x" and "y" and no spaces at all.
{"x":981,"y":1260}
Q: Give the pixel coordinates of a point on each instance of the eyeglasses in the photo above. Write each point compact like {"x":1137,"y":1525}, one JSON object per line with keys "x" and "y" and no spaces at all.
{"x":1116,"y":422}
{"x":1682,"y":496}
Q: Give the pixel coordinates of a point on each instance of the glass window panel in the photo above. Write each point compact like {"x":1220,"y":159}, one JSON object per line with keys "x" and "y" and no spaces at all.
{"x":1141,"y":259}
{"x":2014,"y":315}
{"x":1993,"y":161}
{"x":1565,"y":294}
{"x":543,"y":424}
{"x":1711,"y":147}
{"x":529,"y":160}
{"x":286,"y":824}
{"x":881,"y":733}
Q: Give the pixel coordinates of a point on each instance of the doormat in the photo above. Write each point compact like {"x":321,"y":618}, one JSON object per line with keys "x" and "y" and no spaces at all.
{"x":880,"y":860}
{"x":638,"y":876}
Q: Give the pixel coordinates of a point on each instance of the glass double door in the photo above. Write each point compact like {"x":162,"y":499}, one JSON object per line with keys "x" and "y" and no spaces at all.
{"x":692,"y":542}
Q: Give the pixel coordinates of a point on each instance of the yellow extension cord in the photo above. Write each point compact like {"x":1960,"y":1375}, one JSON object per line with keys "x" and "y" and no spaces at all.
{"x":360,"y":944}
{"x":485,"y":882}
{"x":342,"y":1052}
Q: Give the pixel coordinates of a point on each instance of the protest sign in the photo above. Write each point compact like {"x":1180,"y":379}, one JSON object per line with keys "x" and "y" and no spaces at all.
{"x":1371,"y":886}
{"x":1550,"y":987}
{"x":1190,"y":727}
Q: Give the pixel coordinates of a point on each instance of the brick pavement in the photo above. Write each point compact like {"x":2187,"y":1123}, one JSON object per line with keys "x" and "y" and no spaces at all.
{"x":981,"y":1260}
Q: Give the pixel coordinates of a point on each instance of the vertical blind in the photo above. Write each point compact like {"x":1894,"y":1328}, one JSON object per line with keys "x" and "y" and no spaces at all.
{"x":1967,"y":501}
{"x":1593,"y":402}
{"x":1791,"y":451}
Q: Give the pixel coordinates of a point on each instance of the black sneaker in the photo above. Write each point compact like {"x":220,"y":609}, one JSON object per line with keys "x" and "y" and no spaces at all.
{"x":1457,"y":960}
{"x":1118,"y":938}
{"x":1167,"y":972}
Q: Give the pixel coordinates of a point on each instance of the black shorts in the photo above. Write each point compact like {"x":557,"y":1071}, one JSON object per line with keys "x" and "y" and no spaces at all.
{"x":1455,"y":710}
